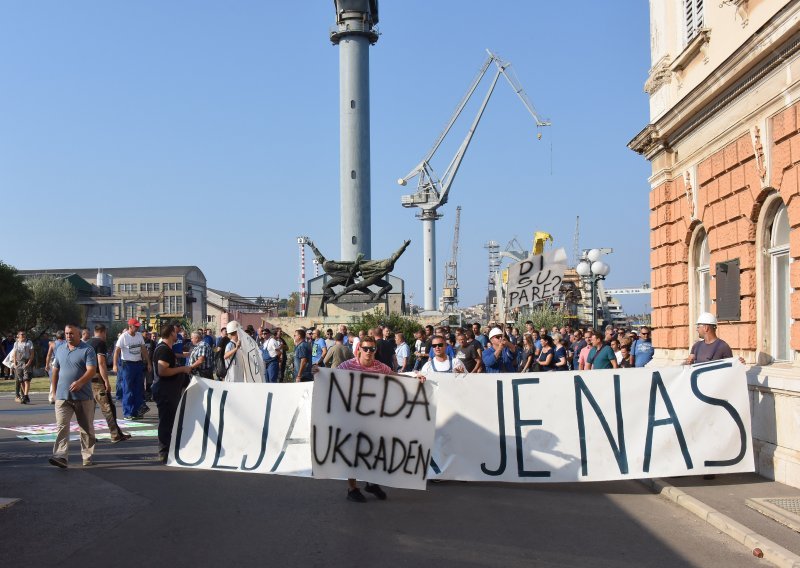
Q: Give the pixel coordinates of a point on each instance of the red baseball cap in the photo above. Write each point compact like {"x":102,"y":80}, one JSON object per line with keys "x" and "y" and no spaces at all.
{"x":134,"y":321}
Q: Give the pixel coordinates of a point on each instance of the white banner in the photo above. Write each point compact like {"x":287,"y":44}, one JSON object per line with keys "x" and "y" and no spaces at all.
{"x":536,"y":278}
{"x":534,"y":427}
{"x":256,"y":428}
{"x":595,"y":425}
{"x":378,"y":428}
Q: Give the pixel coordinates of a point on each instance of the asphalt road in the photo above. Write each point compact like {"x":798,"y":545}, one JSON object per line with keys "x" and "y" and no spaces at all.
{"x":125,"y":511}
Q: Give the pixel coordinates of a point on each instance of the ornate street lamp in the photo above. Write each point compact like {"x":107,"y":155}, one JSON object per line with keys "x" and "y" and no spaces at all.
{"x":593,"y":269}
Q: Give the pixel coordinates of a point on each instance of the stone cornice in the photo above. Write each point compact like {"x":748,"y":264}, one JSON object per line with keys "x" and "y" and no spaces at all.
{"x":648,"y":142}
{"x":698,"y":44}
{"x":765,"y":50}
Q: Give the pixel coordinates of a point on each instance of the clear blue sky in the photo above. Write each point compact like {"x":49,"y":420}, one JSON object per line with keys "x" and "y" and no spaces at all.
{"x":203,"y":132}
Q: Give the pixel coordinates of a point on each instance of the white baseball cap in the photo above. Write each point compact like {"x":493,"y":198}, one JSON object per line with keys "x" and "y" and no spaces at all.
{"x":495,"y":331}
{"x":232,"y":326}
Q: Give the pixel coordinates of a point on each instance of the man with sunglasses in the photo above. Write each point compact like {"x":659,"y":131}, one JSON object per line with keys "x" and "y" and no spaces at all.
{"x":441,"y":362}
{"x":642,"y":348}
{"x":365,"y":361}
{"x":501,"y":355}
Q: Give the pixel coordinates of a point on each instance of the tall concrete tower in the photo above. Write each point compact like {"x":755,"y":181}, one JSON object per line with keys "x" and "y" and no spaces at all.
{"x":354,"y":32}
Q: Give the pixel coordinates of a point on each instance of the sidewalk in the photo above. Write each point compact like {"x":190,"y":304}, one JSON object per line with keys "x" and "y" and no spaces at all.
{"x":723,"y":503}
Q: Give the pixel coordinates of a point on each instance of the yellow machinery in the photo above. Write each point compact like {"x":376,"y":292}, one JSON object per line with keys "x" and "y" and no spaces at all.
{"x":539,"y":240}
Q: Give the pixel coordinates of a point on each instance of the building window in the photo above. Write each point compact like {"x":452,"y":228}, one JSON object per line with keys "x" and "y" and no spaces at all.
{"x":699,"y":276}
{"x":179,"y":286}
{"x":702,"y":274}
{"x":779,"y":289}
{"x":693,"y":14}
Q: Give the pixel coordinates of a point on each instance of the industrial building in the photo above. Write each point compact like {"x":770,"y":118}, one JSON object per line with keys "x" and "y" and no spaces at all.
{"x":138,"y":292}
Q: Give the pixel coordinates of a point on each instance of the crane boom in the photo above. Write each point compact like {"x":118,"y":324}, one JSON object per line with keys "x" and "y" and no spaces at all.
{"x":432,"y":192}
{"x":474,"y":85}
{"x":504,"y":66}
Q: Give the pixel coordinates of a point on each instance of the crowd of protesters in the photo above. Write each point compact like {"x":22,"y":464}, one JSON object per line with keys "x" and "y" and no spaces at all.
{"x":495,"y":348}
{"x":158,"y":366}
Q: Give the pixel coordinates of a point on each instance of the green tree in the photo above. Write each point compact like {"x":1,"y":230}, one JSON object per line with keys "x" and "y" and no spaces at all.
{"x":396,"y":323}
{"x":14,"y":295}
{"x":293,"y":303}
{"x":543,"y":315}
{"x":51,"y":305}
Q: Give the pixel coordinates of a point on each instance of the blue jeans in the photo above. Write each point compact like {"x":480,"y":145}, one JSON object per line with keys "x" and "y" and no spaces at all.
{"x":131,"y":375}
{"x":272,"y":370}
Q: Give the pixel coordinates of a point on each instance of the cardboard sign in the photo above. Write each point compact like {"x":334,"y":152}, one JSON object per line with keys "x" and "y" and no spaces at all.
{"x":536,"y":278}
{"x":378,"y":428}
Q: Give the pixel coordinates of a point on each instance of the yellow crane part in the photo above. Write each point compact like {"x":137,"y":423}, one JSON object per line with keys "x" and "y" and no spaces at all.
{"x":539,"y":240}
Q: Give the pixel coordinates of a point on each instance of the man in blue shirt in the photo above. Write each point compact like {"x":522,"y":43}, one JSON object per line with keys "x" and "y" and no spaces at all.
{"x":302,"y":357}
{"x":74,"y":365}
{"x":601,"y":356}
{"x":480,"y":337}
{"x":642,"y":349}
{"x":500,"y":356}
{"x":318,"y":348}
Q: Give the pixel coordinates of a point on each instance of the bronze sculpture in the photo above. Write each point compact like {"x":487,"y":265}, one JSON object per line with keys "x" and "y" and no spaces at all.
{"x":356,"y":276}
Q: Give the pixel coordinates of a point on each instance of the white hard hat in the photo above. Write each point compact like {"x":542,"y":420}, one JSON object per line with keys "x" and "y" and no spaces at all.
{"x":232,"y":326}
{"x":495,"y":331}
{"x":706,"y":318}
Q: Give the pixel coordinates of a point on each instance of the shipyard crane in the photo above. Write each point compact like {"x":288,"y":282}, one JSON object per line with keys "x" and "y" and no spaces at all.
{"x":432,"y":191}
{"x":450,"y":288}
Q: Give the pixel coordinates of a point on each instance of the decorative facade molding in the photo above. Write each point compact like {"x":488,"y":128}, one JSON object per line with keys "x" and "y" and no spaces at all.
{"x":660,"y":75}
{"x":758,"y":146}
{"x":691,"y":195}
{"x":742,"y":10}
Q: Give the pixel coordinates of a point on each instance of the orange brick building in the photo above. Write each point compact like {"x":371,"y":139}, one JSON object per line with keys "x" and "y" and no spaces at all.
{"x":724,"y":144}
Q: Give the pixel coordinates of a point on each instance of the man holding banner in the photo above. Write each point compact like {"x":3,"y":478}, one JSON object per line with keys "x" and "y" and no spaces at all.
{"x":167,"y":387}
{"x":365,"y":361}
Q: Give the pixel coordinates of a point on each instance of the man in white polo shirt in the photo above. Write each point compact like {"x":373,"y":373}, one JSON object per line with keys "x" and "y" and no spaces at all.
{"x":130,"y":358}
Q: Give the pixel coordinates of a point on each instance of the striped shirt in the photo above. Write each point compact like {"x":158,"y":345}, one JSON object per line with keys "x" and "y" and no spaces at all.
{"x":355,"y":365}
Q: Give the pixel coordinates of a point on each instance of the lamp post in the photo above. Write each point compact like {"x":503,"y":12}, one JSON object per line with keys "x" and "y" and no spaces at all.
{"x":593,"y":269}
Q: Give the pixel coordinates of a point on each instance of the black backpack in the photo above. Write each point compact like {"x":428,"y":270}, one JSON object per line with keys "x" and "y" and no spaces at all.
{"x":220,"y":368}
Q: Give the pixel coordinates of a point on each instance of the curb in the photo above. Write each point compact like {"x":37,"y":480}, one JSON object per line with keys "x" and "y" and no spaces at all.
{"x":773,"y":552}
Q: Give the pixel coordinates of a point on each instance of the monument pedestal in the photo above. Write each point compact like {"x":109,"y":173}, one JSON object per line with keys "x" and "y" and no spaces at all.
{"x":355,"y":303}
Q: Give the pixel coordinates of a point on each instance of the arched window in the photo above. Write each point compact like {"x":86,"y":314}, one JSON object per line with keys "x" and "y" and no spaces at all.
{"x":779,"y":289}
{"x":702,"y":274}
{"x":699,"y":276}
